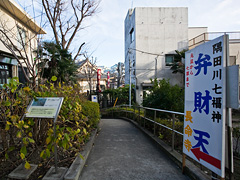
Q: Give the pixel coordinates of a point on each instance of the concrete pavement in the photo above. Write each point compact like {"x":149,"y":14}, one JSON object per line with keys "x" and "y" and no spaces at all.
{"x":123,"y":152}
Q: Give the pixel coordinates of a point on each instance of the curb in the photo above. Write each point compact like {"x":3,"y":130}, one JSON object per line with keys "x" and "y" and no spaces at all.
{"x":76,"y":167}
{"x":190,"y":170}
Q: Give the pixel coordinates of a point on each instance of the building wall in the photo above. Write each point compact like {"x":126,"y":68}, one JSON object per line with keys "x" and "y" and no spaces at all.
{"x":13,"y":19}
{"x":234,"y":51}
{"x":11,"y":24}
{"x":196,"y":31}
{"x":158,"y":31}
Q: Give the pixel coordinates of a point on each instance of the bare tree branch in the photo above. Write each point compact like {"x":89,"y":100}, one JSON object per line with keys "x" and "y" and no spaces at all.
{"x":78,"y":53}
{"x":66,"y":18}
{"x":18,"y":36}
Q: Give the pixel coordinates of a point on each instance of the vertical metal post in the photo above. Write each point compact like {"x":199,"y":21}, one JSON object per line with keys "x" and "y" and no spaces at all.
{"x":130,"y":88}
{"x":230,"y":143}
{"x":144,"y":118}
{"x":55,"y":149}
{"x":23,"y":163}
{"x":126,"y":111}
{"x":228,"y":117}
{"x":155,"y":114}
{"x":139,"y":114}
{"x":173,"y":128}
{"x":134,"y":116}
{"x":156,"y":67}
{"x":112,"y":112}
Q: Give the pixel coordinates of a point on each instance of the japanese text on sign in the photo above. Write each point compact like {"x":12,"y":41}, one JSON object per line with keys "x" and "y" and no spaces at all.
{"x":205,"y":104}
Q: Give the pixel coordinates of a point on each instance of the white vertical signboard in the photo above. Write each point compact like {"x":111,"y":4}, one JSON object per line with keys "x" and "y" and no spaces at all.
{"x":205,"y":104}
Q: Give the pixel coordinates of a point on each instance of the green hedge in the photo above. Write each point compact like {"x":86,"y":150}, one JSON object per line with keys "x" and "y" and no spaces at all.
{"x":76,"y":120}
{"x":92,"y":112}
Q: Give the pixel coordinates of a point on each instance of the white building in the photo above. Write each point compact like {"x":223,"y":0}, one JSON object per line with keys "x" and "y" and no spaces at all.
{"x":152,"y":34}
{"x":151,"y":37}
{"x":22,"y":31}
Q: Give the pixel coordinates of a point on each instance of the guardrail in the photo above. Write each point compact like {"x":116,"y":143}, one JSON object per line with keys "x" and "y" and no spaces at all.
{"x":137,"y":112}
{"x":154,"y":120}
{"x":205,"y":37}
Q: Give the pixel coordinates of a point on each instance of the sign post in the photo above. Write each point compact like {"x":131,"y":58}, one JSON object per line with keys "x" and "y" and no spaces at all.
{"x":205,"y":104}
{"x":46,"y":108}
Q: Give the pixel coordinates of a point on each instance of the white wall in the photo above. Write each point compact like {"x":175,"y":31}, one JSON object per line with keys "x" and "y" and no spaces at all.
{"x":196,"y":31}
{"x":157,"y":31}
{"x":8,"y":23}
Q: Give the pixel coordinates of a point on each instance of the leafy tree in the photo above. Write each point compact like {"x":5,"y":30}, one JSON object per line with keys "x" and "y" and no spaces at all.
{"x":165,"y":96}
{"x":122,"y":93}
{"x":178,"y":65}
{"x":57,"y":62}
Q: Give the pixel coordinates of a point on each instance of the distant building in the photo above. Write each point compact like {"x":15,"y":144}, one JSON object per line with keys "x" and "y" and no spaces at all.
{"x":121,"y":74}
{"x":152,"y":34}
{"x":22,"y":31}
{"x":117,"y":74}
{"x":87,"y":76}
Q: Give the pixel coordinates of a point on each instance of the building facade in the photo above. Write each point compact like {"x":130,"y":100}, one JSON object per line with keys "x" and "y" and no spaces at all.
{"x":19,"y":33}
{"x":151,"y":37}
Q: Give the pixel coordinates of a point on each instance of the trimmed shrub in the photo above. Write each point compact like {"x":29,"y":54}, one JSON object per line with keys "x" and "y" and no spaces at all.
{"x":92,"y":112}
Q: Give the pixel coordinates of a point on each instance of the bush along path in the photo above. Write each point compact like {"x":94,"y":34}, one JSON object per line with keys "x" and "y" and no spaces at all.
{"x":77,"y":119}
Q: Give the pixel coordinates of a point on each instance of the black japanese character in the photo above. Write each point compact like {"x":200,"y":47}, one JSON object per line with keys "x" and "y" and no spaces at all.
{"x":216,"y":116}
{"x":216,"y":89}
{"x":216,"y":102}
{"x":217,"y":74}
{"x":217,"y":47}
{"x":217,"y":61}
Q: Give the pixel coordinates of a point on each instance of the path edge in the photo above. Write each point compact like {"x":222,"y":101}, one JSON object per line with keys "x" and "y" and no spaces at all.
{"x":76,"y":167}
{"x":190,"y":170}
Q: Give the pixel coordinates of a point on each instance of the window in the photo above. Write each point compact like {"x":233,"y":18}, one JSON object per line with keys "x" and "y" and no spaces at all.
{"x":22,"y":36}
{"x":132,"y":35}
{"x":5,"y":73}
{"x":169,"y":59}
{"x":21,"y":76}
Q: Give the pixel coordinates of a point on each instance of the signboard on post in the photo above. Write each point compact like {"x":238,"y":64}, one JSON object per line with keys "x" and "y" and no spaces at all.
{"x":108,"y":79}
{"x":205,"y":104}
{"x":48,"y":107}
{"x":94,"y":98}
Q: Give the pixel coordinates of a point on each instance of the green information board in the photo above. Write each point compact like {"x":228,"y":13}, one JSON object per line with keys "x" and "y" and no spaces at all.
{"x":48,"y":107}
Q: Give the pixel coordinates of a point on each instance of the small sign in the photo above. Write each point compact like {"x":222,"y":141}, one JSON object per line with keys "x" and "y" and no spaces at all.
{"x":44,"y":107}
{"x":94,"y":98}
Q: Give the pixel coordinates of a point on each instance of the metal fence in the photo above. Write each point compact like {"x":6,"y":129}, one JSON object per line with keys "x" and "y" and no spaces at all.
{"x":155,"y":123}
{"x":138,"y":113}
{"x":205,"y":37}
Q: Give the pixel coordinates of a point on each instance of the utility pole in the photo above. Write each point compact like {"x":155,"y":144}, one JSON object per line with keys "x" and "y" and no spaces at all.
{"x":130,"y":88}
{"x":156,"y":67}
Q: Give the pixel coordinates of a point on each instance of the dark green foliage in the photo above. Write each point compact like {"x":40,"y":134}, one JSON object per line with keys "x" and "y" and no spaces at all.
{"x":76,"y":120}
{"x":122,"y":93}
{"x":178,"y":65}
{"x":165,"y":96}
{"x":92,"y":112}
{"x":59,"y":63}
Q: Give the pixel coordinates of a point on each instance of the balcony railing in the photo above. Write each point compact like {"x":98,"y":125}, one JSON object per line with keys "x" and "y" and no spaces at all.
{"x":205,"y":37}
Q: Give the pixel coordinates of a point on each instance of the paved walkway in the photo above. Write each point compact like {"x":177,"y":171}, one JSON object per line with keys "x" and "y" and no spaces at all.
{"x":123,"y":152}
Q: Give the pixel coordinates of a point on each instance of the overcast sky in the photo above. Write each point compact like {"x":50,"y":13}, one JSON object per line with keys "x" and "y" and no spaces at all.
{"x":105,"y":35}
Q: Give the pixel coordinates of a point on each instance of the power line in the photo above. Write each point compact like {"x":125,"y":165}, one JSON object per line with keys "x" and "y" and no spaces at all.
{"x":146,"y":52}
